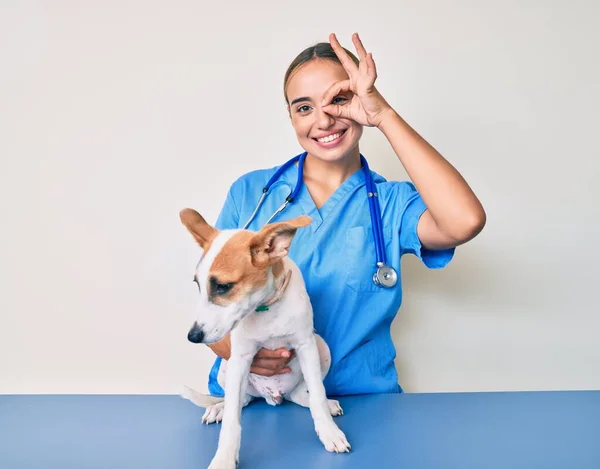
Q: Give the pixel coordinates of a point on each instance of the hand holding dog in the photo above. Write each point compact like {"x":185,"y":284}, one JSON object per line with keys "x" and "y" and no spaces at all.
{"x":271,"y":362}
{"x":266,"y":362}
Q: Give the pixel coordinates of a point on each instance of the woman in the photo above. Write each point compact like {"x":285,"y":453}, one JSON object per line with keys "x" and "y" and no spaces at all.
{"x":331,"y":96}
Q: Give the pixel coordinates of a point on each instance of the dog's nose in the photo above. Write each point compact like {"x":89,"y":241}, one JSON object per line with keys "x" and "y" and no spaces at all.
{"x":195,"y":335}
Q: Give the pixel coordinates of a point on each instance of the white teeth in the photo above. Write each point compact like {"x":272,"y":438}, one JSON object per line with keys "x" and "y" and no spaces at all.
{"x":329,"y":138}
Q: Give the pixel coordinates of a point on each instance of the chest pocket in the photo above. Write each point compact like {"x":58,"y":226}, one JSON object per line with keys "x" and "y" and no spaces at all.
{"x":361,"y":259}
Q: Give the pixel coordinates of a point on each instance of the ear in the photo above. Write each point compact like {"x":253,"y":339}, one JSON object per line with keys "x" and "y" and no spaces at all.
{"x":272,"y":243}
{"x":202,"y":232}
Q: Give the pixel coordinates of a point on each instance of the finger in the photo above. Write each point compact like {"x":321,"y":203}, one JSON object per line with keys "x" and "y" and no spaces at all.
{"x":345,"y":59}
{"x":277,"y":353}
{"x":335,"y":89}
{"x":274,"y":362}
{"x":257,"y":370}
{"x":372,"y":69}
{"x":270,"y":363}
{"x":266,"y":372}
{"x":336,"y":110}
{"x":362,"y":53}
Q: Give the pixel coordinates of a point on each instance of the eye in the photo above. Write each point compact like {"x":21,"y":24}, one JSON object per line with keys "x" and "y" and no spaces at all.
{"x":223,"y":288}
{"x":218,"y":288}
{"x":304,"y":108}
{"x":339,"y":100}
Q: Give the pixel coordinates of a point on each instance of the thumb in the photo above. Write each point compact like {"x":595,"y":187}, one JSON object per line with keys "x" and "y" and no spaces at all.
{"x":283,"y":352}
{"x":278,"y":353}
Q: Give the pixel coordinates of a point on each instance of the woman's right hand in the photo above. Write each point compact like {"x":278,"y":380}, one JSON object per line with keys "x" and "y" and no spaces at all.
{"x":266,"y":362}
{"x":271,"y":362}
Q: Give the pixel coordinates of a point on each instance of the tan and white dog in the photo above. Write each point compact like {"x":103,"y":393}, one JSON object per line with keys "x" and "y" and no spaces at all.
{"x":251,"y":289}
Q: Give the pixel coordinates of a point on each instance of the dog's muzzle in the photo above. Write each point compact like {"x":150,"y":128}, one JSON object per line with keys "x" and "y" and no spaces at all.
{"x":195,"y":334}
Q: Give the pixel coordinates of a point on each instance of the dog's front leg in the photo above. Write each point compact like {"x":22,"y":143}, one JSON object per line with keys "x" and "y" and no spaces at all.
{"x":238,"y":368}
{"x":329,"y":433}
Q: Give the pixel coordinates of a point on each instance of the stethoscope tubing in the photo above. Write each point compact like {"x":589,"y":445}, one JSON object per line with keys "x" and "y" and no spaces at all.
{"x":374,"y":209}
{"x":375,"y":212}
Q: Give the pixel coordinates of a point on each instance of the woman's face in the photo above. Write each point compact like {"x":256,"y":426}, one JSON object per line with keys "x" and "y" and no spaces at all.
{"x":323,"y":136}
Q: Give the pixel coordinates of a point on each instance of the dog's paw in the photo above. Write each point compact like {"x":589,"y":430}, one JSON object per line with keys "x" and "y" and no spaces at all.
{"x":223,"y":461}
{"x":333,"y":438}
{"x":335,"y":408}
{"x":213,"y":413}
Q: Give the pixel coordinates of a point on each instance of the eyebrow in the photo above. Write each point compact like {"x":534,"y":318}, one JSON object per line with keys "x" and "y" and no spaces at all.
{"x":299,"y":100}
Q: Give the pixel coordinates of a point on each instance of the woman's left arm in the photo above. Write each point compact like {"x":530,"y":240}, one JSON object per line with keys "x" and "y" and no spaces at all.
{"x":454,"y":214}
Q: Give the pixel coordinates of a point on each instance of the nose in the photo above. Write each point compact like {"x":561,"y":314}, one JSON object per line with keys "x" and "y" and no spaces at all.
{"x":324,"y":120}
{"x":195,"y":334}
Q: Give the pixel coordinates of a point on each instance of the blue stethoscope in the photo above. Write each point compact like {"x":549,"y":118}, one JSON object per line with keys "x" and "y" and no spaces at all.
{"x":385,"y":275}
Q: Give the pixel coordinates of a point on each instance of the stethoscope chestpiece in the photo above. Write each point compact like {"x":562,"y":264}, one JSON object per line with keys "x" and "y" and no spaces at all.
{"x":385,"y":276}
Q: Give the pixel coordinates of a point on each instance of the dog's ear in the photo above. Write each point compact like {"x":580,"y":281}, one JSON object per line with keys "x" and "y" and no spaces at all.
{"x":202,"y":232}
{"x":272,"y":243}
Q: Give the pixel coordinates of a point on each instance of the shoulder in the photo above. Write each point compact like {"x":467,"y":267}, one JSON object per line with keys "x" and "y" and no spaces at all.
{"x":245,"y":190}
{"x":242,"y":192}
{"x":398,"y":193}
{"x":252,"y":180}
{"x":402,"y":204}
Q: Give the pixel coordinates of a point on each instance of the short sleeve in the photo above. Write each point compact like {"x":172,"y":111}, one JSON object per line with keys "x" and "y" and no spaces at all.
{"x":414,"y":207}
{"x":229,"y":216}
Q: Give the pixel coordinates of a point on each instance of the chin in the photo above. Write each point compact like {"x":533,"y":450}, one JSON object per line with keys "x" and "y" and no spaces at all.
{"x":332,"y":155}
{"x":329,"y":156}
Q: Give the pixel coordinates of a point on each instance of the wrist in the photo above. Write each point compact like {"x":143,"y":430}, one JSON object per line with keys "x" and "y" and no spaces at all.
{"x":386,"y":119}
{"x":222,"y":348}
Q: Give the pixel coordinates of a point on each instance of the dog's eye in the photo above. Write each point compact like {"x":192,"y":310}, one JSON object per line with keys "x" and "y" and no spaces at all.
{"x":218,"y":288}
{"x":222,"y":288}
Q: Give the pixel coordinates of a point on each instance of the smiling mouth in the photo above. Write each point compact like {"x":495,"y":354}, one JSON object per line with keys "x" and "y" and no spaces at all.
{"x":331,"y":138}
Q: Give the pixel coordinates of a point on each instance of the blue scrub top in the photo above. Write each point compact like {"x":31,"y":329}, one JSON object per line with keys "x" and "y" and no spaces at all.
{"x":336,"y":254}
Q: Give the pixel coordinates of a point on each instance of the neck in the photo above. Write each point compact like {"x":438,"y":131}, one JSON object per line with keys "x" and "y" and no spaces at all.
{"x":331,"y":173}
{"x":282,"y":280}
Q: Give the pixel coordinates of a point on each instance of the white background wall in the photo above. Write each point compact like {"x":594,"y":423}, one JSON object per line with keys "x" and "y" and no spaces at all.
{"x":115,"y":115}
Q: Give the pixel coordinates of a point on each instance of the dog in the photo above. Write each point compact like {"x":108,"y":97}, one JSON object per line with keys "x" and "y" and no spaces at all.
{"x":249,"y":288}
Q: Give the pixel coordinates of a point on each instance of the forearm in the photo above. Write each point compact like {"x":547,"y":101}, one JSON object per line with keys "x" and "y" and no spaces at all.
{"x":452,"y":204}
{"x":222,"y":348}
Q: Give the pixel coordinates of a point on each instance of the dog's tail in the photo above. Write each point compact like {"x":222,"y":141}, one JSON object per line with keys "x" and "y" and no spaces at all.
{"x":201,"y":400}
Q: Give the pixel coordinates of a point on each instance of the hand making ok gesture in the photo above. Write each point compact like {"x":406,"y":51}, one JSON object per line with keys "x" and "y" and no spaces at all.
{"x":367,"y":106}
